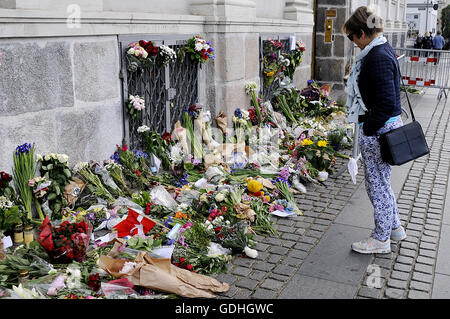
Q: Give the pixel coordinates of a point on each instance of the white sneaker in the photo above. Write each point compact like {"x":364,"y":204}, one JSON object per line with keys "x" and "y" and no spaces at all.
{"x":372,"y":246}
{"x":398,"y":234}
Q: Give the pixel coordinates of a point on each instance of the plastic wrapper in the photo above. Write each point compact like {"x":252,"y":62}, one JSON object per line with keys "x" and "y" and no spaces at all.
{"x":188,"y":196}
{"x":353,"y":167}
{"x":106,"y":177}
{"x":73,"y":190}
{"x":216,"y":249}
{"x":123,"y":201}
{"x":161,"y":196}
{"x":214,"y":174}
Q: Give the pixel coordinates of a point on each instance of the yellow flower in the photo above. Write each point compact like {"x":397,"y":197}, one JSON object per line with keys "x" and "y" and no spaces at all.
{"x":306,"y":142}
{"x":254,"y":186}
{"x":269,"y":74}
{"x":322,"y":143}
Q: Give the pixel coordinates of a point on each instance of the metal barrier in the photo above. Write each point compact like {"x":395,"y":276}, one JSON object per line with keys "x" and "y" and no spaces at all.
{"x":425,"y":68}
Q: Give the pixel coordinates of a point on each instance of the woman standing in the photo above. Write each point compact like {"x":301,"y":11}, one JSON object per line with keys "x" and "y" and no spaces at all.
{"x":373,"y":102}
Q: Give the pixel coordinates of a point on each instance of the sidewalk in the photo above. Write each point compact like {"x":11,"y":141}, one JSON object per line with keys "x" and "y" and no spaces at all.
{"x":311,"y":256}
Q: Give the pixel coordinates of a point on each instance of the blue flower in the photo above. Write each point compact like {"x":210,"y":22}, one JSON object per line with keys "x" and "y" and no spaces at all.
{"x":238,"y":113}
{"x":139,"y":153}
{"x":310,"y":82}
{"x":24,"y":148}
{"x":115,"y":157}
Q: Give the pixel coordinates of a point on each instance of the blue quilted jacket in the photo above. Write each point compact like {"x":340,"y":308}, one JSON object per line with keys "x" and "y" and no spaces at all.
{"x":379,"y":84}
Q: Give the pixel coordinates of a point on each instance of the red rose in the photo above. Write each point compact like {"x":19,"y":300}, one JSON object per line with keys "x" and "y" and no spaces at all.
{"x":224,"y":208}
{"x":148,"y":208}
{"x":167,"y":137}
{"x":124,"y":148}
{"x":182,"y":260}
{"x":189,"y":267}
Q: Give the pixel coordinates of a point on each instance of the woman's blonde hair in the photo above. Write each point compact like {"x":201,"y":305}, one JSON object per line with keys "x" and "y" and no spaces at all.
{"x":363,"y":19}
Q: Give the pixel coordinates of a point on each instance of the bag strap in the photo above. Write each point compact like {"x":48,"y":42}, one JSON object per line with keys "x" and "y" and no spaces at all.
{"x":406,"y":93}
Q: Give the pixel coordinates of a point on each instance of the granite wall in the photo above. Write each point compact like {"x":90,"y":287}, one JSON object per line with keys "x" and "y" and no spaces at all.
{"x":61,"y":93}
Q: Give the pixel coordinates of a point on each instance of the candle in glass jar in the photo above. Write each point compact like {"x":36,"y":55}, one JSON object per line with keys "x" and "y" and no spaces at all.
{"x":28,"y":234}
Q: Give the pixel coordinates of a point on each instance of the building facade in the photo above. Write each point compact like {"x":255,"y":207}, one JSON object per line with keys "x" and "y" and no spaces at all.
{"x":61,"y":66}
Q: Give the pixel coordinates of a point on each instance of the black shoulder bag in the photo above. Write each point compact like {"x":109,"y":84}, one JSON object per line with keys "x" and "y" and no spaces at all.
{"x":405,"y":143}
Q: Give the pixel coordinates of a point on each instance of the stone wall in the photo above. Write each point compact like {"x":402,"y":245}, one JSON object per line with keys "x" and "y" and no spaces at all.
{"x":61,"y":93}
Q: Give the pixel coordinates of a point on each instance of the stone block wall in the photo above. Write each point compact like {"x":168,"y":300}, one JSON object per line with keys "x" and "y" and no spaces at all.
{"x":61,"y":93}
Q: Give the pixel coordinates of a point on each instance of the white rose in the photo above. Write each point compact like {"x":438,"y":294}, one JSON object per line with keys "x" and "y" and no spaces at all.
{"x":144,"y":54}
{"x":39,"y":157}
{"x":131,"y":51}
{"x":198,"y":46}
{"x":47,"y":157}
{"x":220,"y":197}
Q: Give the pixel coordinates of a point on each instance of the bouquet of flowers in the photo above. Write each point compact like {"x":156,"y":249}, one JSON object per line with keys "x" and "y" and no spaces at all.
{"x":10,"y":214}
{"x":285,"y":191}
{"x":242,"y":124}
{"x":115,"y":170}
{"x":294,"y":58}
{"x":94,"y":182}
{"x":271,"y":61}
{"x":133,"y":166}
{"x":5,"y":189}
{"x":317,"y":152}
{"x":199,"y":49}
{"x":156,"y":144}
{"x":250,"y":88}
{"x":166,"y":55}
{"x":135,"y":105}
{"x":140,"y":55}
{"x":54,"y":168}
{"x":65,"y":243}
{"x":24,"y":170}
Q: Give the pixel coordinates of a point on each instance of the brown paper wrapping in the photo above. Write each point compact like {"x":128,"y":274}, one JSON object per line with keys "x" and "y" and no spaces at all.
{"x":2,"y":254}
{"x":221,"y":120}
{"x":69,"y":190}
{"x":244,"y":212}
{"x":159,"y":274}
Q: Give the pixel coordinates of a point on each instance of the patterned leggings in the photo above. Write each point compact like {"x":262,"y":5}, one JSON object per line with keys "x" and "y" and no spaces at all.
{"x":378,"y":183}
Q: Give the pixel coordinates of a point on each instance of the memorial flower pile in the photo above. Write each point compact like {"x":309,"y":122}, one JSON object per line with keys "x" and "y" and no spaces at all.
{"x":150,"y":219}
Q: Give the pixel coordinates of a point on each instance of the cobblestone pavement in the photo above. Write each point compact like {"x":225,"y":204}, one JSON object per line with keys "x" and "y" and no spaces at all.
{"x":310,"y":257}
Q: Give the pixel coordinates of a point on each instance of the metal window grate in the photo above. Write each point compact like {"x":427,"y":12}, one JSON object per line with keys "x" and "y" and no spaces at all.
{"x":167,"y":91}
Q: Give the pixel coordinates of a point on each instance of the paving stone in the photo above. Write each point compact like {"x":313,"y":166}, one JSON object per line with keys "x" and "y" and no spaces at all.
{"x":300,"y":254}
{"x":291,"y":261}
{"x":407,"y":252}
{"x":402,"y":267}
{"x":257,"y":275}
{"x":278,"y":250}
{"x":274,"y":259}
{"x":272,"y":241}
{"x":241,"y":271}
{"x":262,"y":255}
{"x":282,"y":278}
{"x":405,"y":260}
{"x":426,"y":260}
{"x":414,"y":294}
{"x":272,"y":284}
{"x":230,"y":293}
{"x":262,"y":293}
{"x":264,"y":266}
{"x":242,"y":294}
{"x":394,"y":293}
{"x":416,"y":285}
{"x":418,"y":276}
{"x":428,"y":269}
{"x":243,"y":261}
{"x":286,"y":229}
{"x":289,"y":237}
{"x":368,"y":292}
{"x":429,"y":239}
{"x":395,"y":283}
{"x":284,"y":270}
{"x":247,"y":283}
{"x":427,"y":253}
{"x":303,"y":246}
{"x":224,"y":277}
{"x":400,"y":275}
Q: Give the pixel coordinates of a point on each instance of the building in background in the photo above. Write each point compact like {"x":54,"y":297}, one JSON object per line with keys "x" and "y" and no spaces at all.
{"x":422,"y":16}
